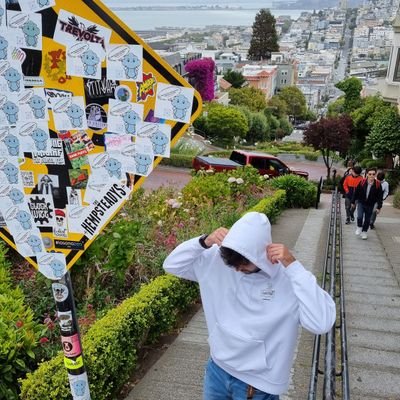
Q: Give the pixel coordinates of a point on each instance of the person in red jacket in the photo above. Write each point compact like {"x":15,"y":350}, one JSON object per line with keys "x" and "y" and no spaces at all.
{"x":349,"y":186}
{"x":367,"y":193}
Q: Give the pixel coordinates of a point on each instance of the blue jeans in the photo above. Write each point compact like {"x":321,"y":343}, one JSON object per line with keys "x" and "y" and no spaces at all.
{"x":364,"y":212}
{"x":219,"y":385}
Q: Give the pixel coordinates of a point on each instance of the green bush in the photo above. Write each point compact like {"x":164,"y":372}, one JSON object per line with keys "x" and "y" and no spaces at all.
{"x":19,"y":333}
{"x":364,"y":162}
{"x":111,"y":344}
{"x":396,"y":199}
{"x":299,"y":192}
{"x":311,"y":156}
{"x":271,"y":206}
{"x":393,"y":178}
{"x":379,"y":163}
{"x":178,"y":160}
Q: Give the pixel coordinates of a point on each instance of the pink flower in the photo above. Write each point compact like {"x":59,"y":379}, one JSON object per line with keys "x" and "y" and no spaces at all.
{"x":19,"y":324}
{"x":43,"y":340}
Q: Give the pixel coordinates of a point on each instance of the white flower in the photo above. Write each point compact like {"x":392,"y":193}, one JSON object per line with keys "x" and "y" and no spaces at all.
{"x":266,"y":176}
{"x":231,"y":179}
{"x":239,"y":181}
{"x":176,"y":204}
{"x":192,"y":218}
{"x":159,"y":222}
{"x":209,"y":171}
{"x":186,"y":210}
{"x":171,"y":202}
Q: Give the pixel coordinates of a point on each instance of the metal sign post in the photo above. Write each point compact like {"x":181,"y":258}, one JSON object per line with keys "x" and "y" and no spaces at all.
{"x":70,"y":337}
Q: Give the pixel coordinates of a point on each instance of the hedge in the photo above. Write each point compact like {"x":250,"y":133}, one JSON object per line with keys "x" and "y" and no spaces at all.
{"x":111,"y":344}
{"x":299,"y":192}
{"x":19,"y":334}
{"x":178,"y":160}
{"x":271,"y":206}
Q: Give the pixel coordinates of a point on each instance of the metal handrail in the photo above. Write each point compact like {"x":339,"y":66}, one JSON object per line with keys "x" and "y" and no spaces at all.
{"x":333,"y":266}
{"x":343,"y":331}
{"x":319,"y":191}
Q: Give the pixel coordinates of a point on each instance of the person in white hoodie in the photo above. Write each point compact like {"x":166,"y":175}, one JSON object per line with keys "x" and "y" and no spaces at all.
{"x":252,"y":309}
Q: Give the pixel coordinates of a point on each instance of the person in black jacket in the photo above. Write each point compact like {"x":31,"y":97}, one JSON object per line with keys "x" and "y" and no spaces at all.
{"x":367,"y":193}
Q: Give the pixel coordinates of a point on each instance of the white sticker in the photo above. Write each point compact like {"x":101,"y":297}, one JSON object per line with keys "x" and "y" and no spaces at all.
{"x":174,"y":102}
{"x":60,"y":292}
{"x":84,"y":59}
{"x":124,"y":62}
{"x":72,"y":27}
{"x":35,"y":5}
{"x":27,"y":28}
{"x":124,"y":117}
{"x":52,"y":265}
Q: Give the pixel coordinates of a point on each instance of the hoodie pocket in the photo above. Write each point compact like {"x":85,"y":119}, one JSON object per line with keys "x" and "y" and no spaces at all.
{"x":240,"y":353}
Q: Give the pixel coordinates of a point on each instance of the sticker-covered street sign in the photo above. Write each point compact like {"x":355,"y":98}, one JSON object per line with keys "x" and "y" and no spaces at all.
{"x":87,"y":110}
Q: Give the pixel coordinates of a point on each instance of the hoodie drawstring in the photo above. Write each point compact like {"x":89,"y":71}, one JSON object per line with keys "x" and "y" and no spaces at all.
{"x":250,"y":392}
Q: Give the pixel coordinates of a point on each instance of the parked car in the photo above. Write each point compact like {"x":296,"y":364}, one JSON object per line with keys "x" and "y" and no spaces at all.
{"x":265,"y":163}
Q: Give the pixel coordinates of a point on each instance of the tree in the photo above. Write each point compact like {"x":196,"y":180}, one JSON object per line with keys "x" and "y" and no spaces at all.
{"x":264,"y":39}
{"x":336,"y":108}
{"x":365,"y":116}
{"x":259,"y":128}
{"x":278,"y":106}
{"x":252,"y":98}
{"x":384,"y":139}
{"x":235,"y":78}
{"x":352,"y":93}
{"x":225,"y":124}
{"x":295,"y":101}
{"x":329,"y":135}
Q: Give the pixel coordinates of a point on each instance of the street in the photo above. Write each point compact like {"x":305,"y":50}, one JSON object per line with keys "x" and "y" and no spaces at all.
{"x":179,"y":177}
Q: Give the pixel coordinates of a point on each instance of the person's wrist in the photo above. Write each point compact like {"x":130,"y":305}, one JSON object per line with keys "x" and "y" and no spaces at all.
{"x":286,"y":261}
{"x":204,"y":242}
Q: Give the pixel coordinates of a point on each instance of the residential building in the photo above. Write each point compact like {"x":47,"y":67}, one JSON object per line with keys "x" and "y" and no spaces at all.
{"x":263,"y":77}
{"x":389,"y":87}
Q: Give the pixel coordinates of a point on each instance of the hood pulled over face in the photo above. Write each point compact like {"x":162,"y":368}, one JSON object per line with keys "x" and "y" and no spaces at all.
{"x":249,"y":236}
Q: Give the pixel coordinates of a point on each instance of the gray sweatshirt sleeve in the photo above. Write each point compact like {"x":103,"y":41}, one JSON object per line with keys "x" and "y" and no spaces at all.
{"x":316,"y":308}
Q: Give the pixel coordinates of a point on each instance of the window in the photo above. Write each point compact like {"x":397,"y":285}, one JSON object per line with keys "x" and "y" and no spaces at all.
{"x":259,"y":163}
{"x":396,"y":75}
{"x":277,"y":165}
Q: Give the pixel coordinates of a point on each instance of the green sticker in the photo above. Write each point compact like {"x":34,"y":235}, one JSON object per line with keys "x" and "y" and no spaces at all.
{"x":73,"y":364}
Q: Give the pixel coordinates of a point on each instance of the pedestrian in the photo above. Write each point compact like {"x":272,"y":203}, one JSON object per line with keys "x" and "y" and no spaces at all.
{"x":396,"y":161}
{"x":367,"y":193}
{"x":385,"y":193}
{"x":255,"y":294}
{"x":349,"y":185}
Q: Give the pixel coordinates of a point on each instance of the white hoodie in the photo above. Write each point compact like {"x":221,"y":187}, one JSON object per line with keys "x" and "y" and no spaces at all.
{"x":253,"y":319}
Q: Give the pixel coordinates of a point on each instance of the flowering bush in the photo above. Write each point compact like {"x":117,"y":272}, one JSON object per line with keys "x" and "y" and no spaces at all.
{"x":201,"y":75}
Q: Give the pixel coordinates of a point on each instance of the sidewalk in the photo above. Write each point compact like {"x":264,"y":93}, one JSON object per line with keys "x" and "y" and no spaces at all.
{"x":372,"y":275}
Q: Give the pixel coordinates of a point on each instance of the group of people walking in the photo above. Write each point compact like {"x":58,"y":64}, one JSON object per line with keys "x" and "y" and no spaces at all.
{"x":366,"y":194}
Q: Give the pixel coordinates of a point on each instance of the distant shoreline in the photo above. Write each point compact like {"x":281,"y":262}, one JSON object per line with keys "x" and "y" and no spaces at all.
{"x":200,"y":8}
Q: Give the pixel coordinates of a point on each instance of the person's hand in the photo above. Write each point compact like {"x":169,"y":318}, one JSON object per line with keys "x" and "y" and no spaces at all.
{"x":353,"y":206}
{"x":216,"y":237}
{"x":277,"y":252}
{"x":378,"y":210}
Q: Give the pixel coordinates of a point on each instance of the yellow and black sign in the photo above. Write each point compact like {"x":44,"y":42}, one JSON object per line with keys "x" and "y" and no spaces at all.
{"x":87,"y":110}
